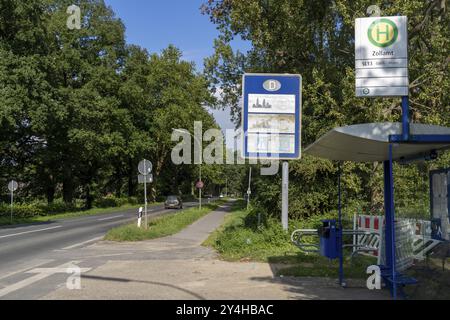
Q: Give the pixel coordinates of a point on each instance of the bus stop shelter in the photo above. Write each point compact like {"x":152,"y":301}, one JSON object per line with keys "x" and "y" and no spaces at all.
{"x":384,"y":142}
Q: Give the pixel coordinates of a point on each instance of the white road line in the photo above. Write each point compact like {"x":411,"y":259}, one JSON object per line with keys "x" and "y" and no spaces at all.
{"x":27,"y":267}
{"x":22,"y":284}
{"x":110,"y":218}
{"x":29,"y":281}
{"x":26,"y":232}
{"x":81,"y":243}
{"x":52,"y":271}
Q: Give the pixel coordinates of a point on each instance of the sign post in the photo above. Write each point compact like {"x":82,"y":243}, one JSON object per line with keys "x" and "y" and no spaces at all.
{"x":145,"y":168}
{"x":249,"y":191}
{"x":285,"y":196}
{"x":381,"y":54}
{"x":200,"y":185}
{"x":272,"y":121}
{"x":12,"y":186}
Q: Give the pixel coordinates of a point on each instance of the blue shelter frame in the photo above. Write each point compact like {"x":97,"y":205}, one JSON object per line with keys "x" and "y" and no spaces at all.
{"x":389,"y":272}
{"x":367,"y":143}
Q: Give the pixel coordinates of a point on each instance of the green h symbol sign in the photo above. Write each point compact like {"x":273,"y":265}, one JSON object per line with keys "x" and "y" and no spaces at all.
{"x":379,"y":32}
{"x":380,"y":28}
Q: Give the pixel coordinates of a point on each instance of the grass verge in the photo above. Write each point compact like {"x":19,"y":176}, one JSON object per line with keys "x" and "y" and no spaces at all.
{"x":5,"y":221}
{"x":161,"y":226}
{"x":240,"y":239}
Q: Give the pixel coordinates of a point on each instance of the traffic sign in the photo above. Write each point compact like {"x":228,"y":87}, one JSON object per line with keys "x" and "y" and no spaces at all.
{"x":381,"y":55}
{"x":145,"y":179}
{"x":272,"y":116}
{"x":13,"y":186}
{"x":200,"y":185}
{"x":145,"y":167}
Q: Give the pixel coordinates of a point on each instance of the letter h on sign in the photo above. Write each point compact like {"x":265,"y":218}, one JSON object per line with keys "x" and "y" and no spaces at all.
{"x":386,"y":32}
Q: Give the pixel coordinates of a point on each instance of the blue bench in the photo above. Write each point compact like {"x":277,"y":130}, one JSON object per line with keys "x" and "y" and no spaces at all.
{"x":400,"y":280}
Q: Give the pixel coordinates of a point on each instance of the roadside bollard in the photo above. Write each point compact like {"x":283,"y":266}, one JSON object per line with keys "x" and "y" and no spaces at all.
{"x":140,"y":217}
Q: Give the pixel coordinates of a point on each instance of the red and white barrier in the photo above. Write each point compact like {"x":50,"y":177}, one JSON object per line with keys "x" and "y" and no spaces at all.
{"x":374,"y":225}
{"x":413,"y":238}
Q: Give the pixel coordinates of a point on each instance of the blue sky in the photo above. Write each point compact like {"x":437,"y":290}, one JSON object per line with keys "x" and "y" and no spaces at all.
{"x":154,"y":24}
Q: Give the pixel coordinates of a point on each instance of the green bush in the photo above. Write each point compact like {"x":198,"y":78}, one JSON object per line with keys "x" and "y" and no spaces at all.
{"x":36,"y":209}
{"x":239,"y":239}
{"x":56,"y":207}
{"x":22,"y":211}
{"x":133,"y":201}
{"x":111,"y":201}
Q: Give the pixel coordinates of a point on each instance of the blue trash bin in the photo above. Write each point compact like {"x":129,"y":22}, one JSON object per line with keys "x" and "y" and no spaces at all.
{"x":329,"y":239}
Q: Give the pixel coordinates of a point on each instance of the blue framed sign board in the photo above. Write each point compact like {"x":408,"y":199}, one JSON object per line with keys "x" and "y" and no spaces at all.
{"x":271,"y":116}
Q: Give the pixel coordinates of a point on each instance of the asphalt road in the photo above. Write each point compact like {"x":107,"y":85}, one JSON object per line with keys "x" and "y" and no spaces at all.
{"x":23,"y":243}
{"x":63,"y":260}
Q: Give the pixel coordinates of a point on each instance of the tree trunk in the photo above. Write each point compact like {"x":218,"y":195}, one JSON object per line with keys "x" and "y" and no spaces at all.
{"x":50,"y":190}
{"x":50,"y":193}
{"x":119,"y":183}
{"x":67,"y":185}
{"x":89,"y":198}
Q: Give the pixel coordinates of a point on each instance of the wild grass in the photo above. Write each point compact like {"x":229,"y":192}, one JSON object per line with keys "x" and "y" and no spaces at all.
{"x":241,"y":239}
{"x":161,"y":226}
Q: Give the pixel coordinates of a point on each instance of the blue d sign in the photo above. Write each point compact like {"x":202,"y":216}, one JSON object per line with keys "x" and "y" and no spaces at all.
{"x":271,"y":117}
{"x":272,"y":85}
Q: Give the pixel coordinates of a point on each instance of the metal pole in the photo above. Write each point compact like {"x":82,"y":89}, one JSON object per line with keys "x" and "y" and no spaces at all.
{"x":389,"y":243}
{"x":200,"y":162}
{"x":392,"y":221}
{"x":145,"y":196}
{"x":285,"y":196}
{"x":340,"y":242}
{"x":405,"y":118}
{"x":12,"y":201}
{"x":355,"y":239}
{"x":249,"y":187}
{"x":200,"y":189}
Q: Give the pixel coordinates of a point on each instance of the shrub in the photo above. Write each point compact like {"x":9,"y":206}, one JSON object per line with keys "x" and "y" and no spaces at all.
{"x":106,"y":202}
{"x":133,"y":201}
{"x":56,"y":207}
{"x":37,"y":208}
{"x":22,"y":211}
{"x":111,"y":201}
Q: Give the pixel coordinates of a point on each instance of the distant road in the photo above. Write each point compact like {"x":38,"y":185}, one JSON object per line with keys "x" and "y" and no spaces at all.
{"x":21,"y":243}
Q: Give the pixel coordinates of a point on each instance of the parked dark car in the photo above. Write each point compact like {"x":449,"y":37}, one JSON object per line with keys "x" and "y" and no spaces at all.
{"x":173,"y":202}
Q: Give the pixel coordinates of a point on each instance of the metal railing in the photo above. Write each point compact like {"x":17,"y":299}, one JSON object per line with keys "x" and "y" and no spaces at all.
{"x":297,"y":238}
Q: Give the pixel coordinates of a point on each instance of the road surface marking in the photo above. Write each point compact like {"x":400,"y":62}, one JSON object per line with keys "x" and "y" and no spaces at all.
{"x":52,"y":271}
{"x":82,"y":243}
{"x":32,"y":231}
{"x":110,"y":218}
{"x":29,"y":281}
{"x":109,"y":255}
{"x":25,"y":268}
